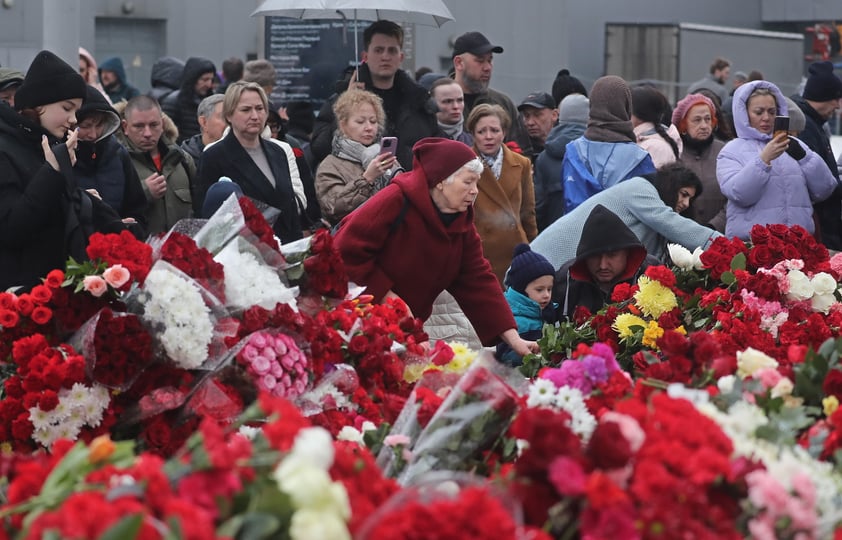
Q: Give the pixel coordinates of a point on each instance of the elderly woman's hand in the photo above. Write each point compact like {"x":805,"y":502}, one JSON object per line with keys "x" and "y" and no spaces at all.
{"x":519,"y":345}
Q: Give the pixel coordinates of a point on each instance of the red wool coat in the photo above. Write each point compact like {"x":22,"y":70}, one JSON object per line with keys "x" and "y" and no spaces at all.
{"x":421,"y":257}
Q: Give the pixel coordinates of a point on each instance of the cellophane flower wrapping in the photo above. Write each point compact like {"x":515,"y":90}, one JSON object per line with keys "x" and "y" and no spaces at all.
{"x":252,"y":276}
{"x":181,"y":315}
{"x":446,"y":504}
{"x":426,"y":397}
{"x":275,"y":363}
{"x":472,"y":419}
{"x":116,"y":346}
{"x":333,"y":391}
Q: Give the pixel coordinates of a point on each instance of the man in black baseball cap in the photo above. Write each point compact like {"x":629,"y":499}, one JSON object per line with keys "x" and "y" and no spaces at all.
{"x":539,"y":115}
{"x":473,"y":56}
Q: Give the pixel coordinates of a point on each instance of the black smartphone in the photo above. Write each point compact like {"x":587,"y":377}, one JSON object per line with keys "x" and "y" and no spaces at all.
{"x":389,"y":144}
{"x":781,"y":126}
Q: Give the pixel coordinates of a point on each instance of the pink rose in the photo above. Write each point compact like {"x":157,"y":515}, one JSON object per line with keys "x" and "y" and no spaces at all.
{"x":261,"y":365}
{"x":394,"y":440}
{"x":268,"y":382}
{"x":116,"y":276}
{"x":95,"y":285}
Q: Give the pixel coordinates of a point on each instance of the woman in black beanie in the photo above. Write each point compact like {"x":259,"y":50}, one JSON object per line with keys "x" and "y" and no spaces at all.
{"x":34,"y":195}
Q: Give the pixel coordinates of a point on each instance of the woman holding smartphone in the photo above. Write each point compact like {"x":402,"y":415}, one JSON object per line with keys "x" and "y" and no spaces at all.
{"x":768,"y":178}
{"x":357,"y":167}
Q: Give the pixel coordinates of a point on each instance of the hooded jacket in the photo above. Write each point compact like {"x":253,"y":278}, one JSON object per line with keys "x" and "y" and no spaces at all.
{"x":105,"y":165}
{"x":829,"y":210}
{"x":783,"y":192}
{"x":182,"y":104}
{"x":574,"y":286}
{"x":415,"y":120}
{"x":120,"y":90}
{"x":166,"y":77}
{"x":549,"y":189}
{"x":637,"y":203}
{"x":422,"y":257}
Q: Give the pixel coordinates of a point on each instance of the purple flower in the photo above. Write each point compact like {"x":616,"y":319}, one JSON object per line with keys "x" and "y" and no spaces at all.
{"x":595,"y":369}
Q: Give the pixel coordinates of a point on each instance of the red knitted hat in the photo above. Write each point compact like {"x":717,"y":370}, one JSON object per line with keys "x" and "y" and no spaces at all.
{"x":683,"y":107}
{"x":439,"y":158}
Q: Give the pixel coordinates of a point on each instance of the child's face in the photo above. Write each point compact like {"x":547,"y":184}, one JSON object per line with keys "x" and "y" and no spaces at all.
{"x":541,"y":290}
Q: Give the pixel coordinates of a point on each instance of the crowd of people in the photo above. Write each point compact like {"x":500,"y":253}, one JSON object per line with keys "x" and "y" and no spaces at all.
{"x":488,"y":219}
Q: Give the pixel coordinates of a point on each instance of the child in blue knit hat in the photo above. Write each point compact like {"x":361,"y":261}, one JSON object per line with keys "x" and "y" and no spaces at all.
{"x":529,"y":293}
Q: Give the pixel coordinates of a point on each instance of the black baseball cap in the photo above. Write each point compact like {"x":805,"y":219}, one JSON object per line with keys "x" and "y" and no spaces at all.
{"x":538,"y":100}
{"x":474,"y":43}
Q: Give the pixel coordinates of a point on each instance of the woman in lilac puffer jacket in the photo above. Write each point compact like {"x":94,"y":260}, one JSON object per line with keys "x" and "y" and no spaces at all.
{"x":768,"y":180}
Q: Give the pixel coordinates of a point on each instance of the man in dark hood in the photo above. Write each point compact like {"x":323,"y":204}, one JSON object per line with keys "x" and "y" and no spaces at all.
{"x":166,"y":77}
{"x":112,"y":75}
{"x":608,"y":253}
{"x":181,"y":106}
{"x":103,"y":165}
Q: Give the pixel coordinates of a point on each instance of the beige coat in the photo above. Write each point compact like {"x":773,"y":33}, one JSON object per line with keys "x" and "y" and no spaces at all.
{"x":504,"y":212}
{"x":340,"y":187}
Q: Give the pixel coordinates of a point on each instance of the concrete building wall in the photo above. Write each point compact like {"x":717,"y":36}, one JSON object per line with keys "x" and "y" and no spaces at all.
{"x":540,"y":36}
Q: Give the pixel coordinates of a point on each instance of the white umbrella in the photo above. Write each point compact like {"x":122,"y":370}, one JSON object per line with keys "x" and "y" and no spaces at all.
{"x":424,"y":12}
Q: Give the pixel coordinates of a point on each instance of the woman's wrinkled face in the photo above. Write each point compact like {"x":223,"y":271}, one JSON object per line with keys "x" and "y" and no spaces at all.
{"x":249,"y":117}
{"x":92,"y":128}
{"x":457,"y":195}
{"x":761,"y":113}
{"x":699,"y":122}
{"x":361,"y":126}
{"x":59,"y":118}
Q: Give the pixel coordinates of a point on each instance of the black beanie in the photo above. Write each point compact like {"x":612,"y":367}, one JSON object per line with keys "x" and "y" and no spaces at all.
{"x":822,"y":84}
{"x":527,"y":266}
{"x":566,"y":84}
{"x":49,"y":80}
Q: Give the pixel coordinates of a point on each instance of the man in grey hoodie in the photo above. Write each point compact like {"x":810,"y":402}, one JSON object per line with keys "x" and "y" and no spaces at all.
{"x":549,"y":189}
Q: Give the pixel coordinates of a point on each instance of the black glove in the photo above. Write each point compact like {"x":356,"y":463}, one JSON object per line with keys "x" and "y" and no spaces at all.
{"x":795,"y":150}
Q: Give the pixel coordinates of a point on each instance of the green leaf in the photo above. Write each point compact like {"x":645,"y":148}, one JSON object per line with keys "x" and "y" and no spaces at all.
{"x":738,"y":262}
{"x":125,"y":529}
{"x":728,"y":278}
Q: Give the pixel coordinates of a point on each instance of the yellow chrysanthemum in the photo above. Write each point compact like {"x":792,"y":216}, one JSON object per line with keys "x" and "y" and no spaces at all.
{"x":624,"y":323}
{"x":412,"y":372}
{"x":830,"y":404}
{"x":681,"y":330}
{"x":463,"y":357}
{"x":654,"y":299}
{"x":651,"y":335}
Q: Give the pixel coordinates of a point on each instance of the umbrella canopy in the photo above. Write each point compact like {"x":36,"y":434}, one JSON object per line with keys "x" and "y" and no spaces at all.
{"x":424,"y":12}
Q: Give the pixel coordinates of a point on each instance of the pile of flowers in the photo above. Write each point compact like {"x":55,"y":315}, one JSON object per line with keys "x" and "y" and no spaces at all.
{"x":205,"y":407}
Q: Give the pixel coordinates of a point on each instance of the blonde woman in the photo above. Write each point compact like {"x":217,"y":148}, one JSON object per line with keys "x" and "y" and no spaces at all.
{"x":504,"y":212}
{"x":356,"y":168}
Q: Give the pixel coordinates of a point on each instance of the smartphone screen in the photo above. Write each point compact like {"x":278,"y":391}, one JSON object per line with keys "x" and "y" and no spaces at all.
{"x":389,"y":144}
{"x":781,"y":126}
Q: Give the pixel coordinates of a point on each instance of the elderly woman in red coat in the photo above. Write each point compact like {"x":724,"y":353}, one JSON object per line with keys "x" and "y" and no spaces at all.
{"x":416,"y":238}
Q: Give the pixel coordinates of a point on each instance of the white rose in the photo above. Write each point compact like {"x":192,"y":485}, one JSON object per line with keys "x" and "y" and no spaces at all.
{"x":681,"y":256}
{"x":823,"y":283}
{"x":697,"y":259}
{"x":821,"y":303}
{"x":783,"y":388}
{"x":726,"y":384}
{"x":800,"y":287}
{"x":350,"y":433}
{"x":311,"y":487}
{"x":308,"y":524}
{"x":314,"y":445}
{"x":751,"y":360}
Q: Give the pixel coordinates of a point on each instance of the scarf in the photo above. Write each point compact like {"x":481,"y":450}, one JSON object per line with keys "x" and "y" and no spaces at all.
{"x":495,"y":163}
{"x":345,"y":148}
{"x":609,"y":118}
{"x":696,"y":145}
{"x":452,"y":130}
